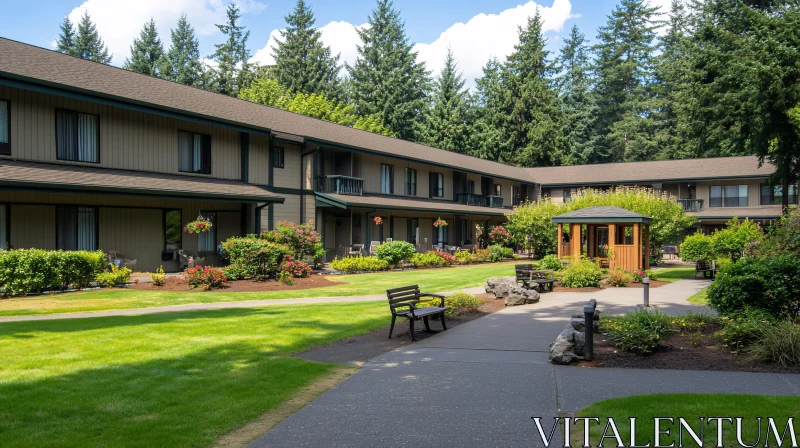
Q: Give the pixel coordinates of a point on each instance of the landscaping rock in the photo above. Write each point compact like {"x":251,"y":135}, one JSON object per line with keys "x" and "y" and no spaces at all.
{"x":561,"y":352}
{"x":500,"y":286}
{"x":579,"y":324}
{"x":581,"y":316}
{"x":579,"y":343}
{"x":521,"y":296}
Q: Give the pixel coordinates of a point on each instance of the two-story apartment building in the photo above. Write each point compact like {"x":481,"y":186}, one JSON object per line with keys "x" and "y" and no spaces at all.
{"x":96,"y":157}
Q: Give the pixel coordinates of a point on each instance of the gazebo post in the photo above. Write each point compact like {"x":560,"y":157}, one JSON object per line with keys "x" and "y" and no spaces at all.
{"x":637,"y":245}
{"x":575,"y":239}
{"x":646,"y":238}
{"x":612,"y":239}
{"x":560,"y":239}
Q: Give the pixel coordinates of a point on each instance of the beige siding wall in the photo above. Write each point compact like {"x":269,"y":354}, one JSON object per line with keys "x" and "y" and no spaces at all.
{"x":369,"y":168}
{"x":288,"y":211}
{"x":136,"y":233}
{"x":258,"y":170}
{"x":289,"y":175}
{"x":308,"y":172}
{"x":33,"y":226}
{"x":128,"y":139}
{"x":753,"y":191}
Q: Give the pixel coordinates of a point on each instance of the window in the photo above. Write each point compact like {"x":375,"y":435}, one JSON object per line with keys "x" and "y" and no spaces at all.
{"x":207,"y":241}
{"x":172,"y":229}
{"x":436,"y":185}
{"x":497,"y":190}
{"x":471,"y":186}
{"x":77,"y":136}
{"x":387,"y":179}
{"x":411,"y":182}
{"x":76,"y":228}
{"x":440,"y":236}
{"x":715,"y":196}
{"x":194,"y":153}
{"x":277,"y":157}
{"x":5,"y":128}
{"x":736,"y":196}
{"x":773,"y":194}
{"x":515,"y":196}
{"x":3,"y":226}
{"x":567,"y":195}
{"x":412,"y":229}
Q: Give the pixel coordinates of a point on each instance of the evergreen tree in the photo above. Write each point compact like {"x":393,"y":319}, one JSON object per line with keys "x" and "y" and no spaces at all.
{"x":88,"y":44}
{"x":492,"y":123}
{"x":537,"y":132}
{"x":66,"y":39}
{"x":146,"y":51}
{"x":386,"y":79}
{"x":446,"y":124}
{"x":233,"y":71}
{"x":302,"y":62}
{"x":574,"y":86}
{"x":181,"y":63}
{"x":624,"y":69}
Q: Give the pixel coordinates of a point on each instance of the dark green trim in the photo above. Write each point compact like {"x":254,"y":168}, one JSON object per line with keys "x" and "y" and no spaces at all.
{"x":327,"y":202}
{"x":271,"y":217}
{"x":643,"y":220}
{"x":285,"y":190}
{"x":391,"y":227}
{"x":343,"y":147}
{"x":44,"y":187}
{"x":324,"y":200}
{"x":270,"y":167}
{"x":257,"y":226}
{"x":302,"y":196}
{"x":37,"y":85}
{"x":244,"y":140}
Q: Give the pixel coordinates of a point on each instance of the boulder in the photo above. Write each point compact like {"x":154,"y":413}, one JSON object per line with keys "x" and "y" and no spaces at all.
{"x":521,"y":296}
{"x":580,"y":315}
{"x":579,"y":324}
{"x":579,"y":343}
{"x":561,"y":351}
{"x":500,"y":286}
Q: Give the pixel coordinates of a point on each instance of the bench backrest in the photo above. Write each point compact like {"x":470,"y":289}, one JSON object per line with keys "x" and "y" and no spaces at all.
{"x":403,"y":296}
{"x":527,"y":267}
{"x":702,"y":265}
{"x":541,"y":274}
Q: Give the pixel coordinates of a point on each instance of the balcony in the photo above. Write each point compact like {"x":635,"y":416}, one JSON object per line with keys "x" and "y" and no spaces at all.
{"x":691,"y":205}
{"x":353,"y":186}
{"x":494,"y":201}
{"x":470,"y":199}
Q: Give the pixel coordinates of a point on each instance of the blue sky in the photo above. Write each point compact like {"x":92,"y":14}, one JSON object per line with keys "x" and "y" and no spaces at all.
{"x":475,"y":29}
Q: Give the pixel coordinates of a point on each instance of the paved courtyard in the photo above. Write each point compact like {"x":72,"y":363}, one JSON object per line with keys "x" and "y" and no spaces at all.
{"x":480,"y":383}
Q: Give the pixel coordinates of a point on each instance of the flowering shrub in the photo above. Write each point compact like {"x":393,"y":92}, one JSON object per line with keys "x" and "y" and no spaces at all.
{"x":158,"y":277}
{"x":303,"y":241}
{"x":378,"y":220}
{"x":499,"y":235}
{"x":114,"y":277}
{"x":198,"y":226}
{"x":481,"y":256}
{"x":464,"y":257}
{"x":447,"y":257}
{"x":440,"y":223}
{"x":205,"y":277}
{"x":351,"y":265}
{"x":620,"y":277}
{"x":23,"y":271}
{"x":432,"y":259}
{"x":395,"y":252}
{"x":253,"y":257}
{"x":580,"y":273}
{"x":295,"y":267}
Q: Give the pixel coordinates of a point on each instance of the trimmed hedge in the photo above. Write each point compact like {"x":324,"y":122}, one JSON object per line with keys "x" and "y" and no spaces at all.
{"x":395,"y":252}
{"x":253,"y":257}
{"x":359,"y":264}
{"x":25,"y":271}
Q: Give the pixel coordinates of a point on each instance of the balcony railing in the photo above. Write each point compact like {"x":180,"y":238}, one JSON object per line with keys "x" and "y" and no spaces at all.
{"x":353,"y":186}
{"x":691,"y":205}
{"x":494,"y":201}
{"x":470,"y":199}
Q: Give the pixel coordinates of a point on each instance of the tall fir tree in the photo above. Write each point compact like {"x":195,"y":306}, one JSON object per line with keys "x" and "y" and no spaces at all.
{"x":574,"y":85}
{"x":387,"y":80}
{"x":492,"y":123}
{"x":233,"y":71}
{"x":303,"y":63}
{"x":537,"y":133}
{"x":181,"y":63}
{"x":66,"y":38}
{"x":146,"y":51}
{"x":88,"y":44}
{"x":624,"y":68}
{"x":446,"y":123}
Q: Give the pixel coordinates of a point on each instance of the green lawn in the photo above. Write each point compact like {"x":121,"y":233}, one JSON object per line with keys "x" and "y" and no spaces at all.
{"x":431,"y":280}
{"x":700,"y":297}
{"x":174,"y":379}
{"x":691,"y":407}
{"x":674,"y":274}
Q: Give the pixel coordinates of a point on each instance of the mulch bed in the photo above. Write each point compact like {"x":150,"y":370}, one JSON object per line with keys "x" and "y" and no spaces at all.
{"x":357,"y":350}
{"x":683,"y":352}
{"x":653,"y":284}
{"x":178,"y":283}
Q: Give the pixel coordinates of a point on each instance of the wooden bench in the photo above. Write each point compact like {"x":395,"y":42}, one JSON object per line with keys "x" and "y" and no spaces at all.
{"x":545,"y":279}
{"x":403,"y":302}
{"x":702,"y":267}
{"x":528,"y":276}
{"x":523,"y":272}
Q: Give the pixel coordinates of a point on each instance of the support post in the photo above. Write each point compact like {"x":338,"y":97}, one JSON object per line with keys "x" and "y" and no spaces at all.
{"x":646,"y":238}
{"x":646,"y":287}
{"x":560,"y":239}
{"x":575,"y":240}
{"x":612,"y":240}
{"x":637,"y":247}
{"x":588,"y":316}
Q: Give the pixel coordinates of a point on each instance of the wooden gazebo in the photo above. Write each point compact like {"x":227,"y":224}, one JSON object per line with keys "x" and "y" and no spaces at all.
{"x":611,"y":234}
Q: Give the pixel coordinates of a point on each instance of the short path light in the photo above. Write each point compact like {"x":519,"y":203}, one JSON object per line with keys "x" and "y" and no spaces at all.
{"x":646,"y":284}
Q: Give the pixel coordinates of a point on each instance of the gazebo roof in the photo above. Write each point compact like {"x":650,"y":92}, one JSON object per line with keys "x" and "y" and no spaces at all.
{"x":604,"y":214}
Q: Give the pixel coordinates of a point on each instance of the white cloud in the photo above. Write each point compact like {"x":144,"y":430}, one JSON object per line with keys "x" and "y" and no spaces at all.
{"x":473,"y":43}
{"x":342,"y":37}
{"x":119,"y":22}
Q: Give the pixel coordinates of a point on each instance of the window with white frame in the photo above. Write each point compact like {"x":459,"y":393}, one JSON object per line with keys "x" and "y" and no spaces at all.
{"x":77,"y":136}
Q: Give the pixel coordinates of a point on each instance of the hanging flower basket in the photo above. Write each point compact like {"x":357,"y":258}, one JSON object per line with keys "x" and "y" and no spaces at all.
{"x":440,"y":223}
{"x":199,"y":225}
{"x":378,"y":220}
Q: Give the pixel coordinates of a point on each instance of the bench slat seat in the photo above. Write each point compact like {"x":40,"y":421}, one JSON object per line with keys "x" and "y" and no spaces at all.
{"x":404,"y":301}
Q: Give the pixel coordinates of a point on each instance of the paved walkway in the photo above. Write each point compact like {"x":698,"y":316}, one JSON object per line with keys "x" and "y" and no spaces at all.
{"x":480,"y":383}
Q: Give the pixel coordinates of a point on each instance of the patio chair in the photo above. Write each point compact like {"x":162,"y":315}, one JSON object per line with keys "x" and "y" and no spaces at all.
{"x":451,"y":249}
{"x":187,"y":255}
{"x":121,"y":260}
{"x":372,"y":246}
{"x":355,"y":250}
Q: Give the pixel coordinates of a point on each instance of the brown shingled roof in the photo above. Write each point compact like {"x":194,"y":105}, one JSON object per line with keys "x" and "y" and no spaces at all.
{"x":406,"y":203}
{"x":35,"y":64}
{"x":655,"y":171}
{"x":740,"y":212}
{"x":80,"y":179}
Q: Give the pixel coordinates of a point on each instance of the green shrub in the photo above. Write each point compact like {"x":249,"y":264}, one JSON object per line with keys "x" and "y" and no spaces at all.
{"x":302,"y":240}
{"x":551,"y":262}
{"x":158,"y":277}
{"x":205,"y":277}
{"x":779,"y":343}
{"x":580,"y":273}
{"x":351,"y":265}
{"x":498,"y":253}
{"x":256,"y":258}
{"x":457,"y":304}
{"x":395,"y":252}
{"x":481,"y":256}
{"x":428,"y":260}
{"x":731,"y":241}
{"x":783,"y":238}
{"x":744,"y":328}
{"x":767,"y":284}
{"x":24,"y":271}
{"x":620,"y":277}
{"x":464,"y":257}
{"x":235,"y":271}
{"x":651,"y":274}
{"x":697,"y":247}
{"x":638,"y":332}
{"x":114,"y":277}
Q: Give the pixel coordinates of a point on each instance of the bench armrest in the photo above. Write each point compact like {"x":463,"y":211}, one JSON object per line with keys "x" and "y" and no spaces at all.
{"x":438,"y":296}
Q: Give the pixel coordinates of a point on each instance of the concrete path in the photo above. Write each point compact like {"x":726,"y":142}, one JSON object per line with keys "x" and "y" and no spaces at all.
{"x":480,"y":383}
